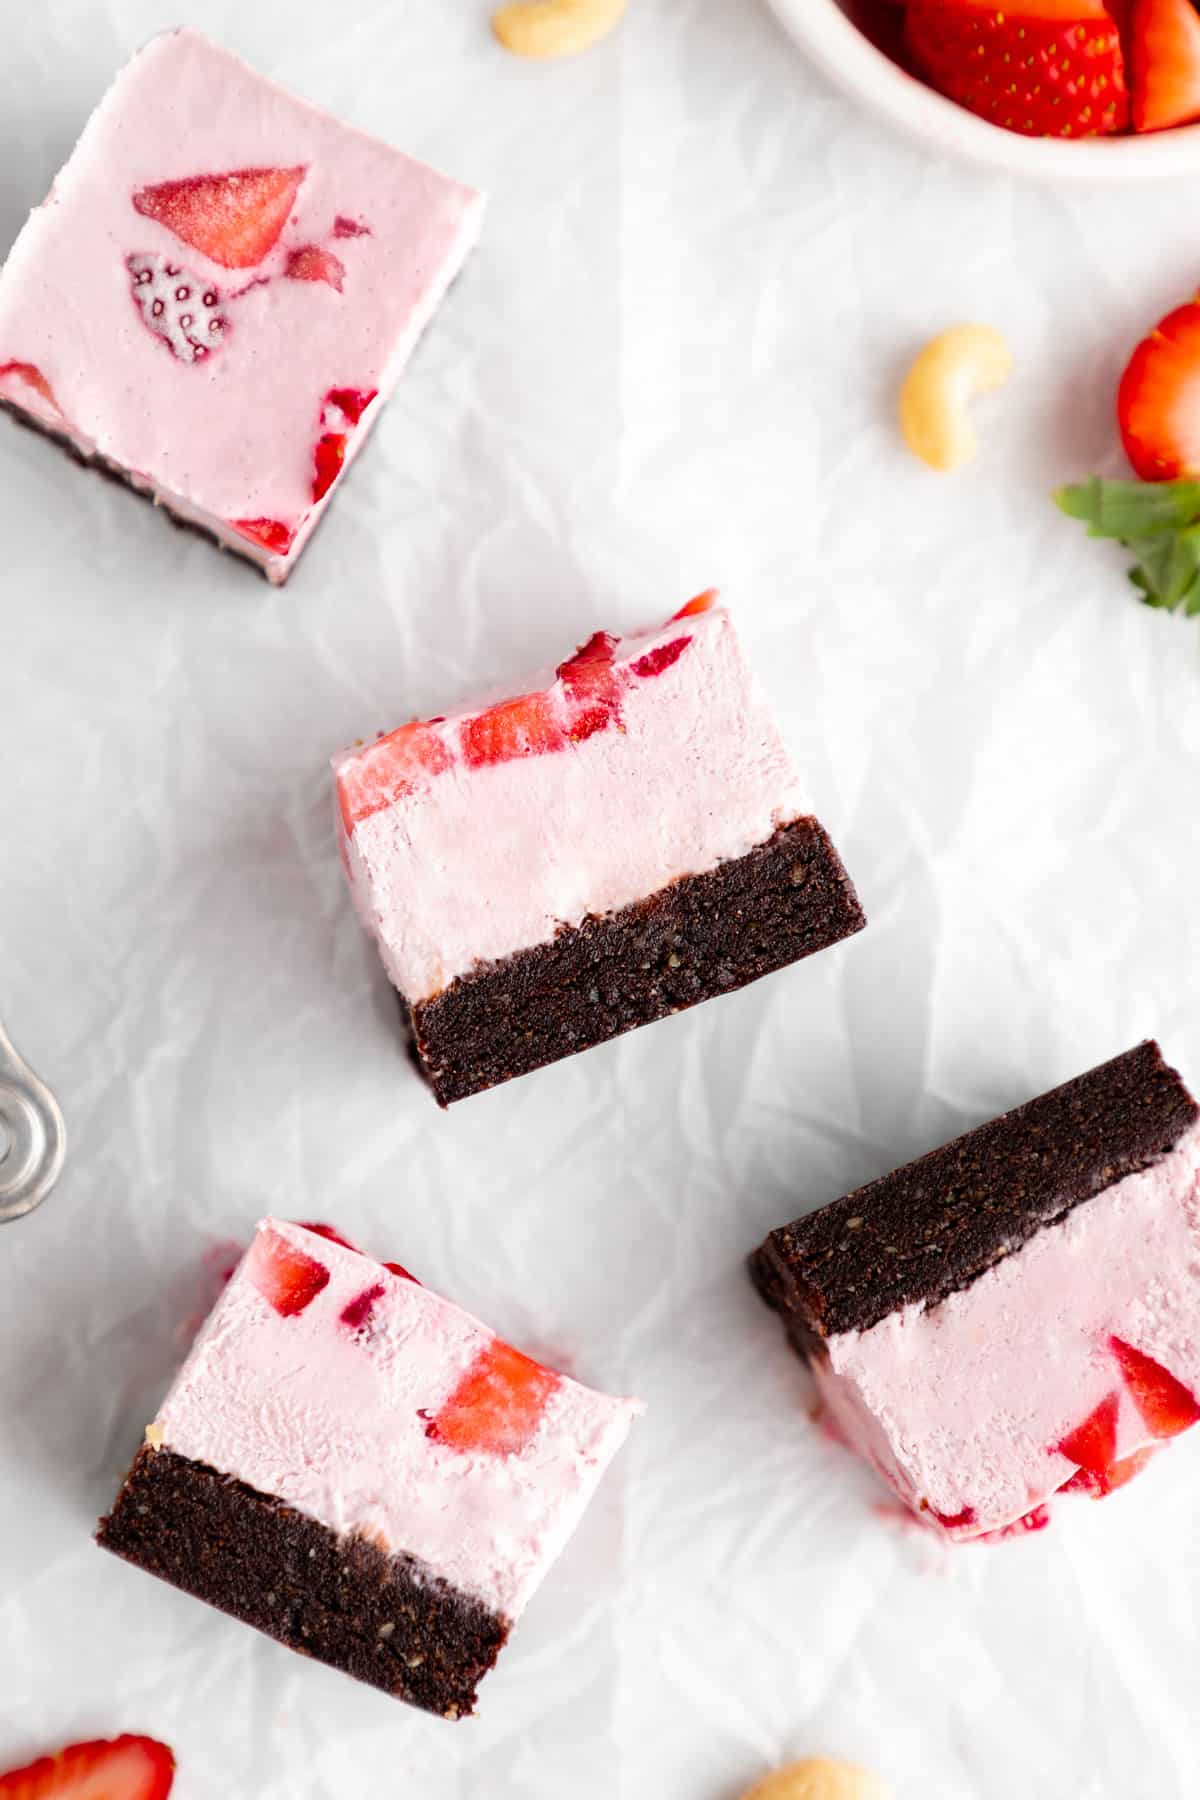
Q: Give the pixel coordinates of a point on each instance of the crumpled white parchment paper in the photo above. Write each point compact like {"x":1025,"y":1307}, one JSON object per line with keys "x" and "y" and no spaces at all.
{"x":672,"y":363}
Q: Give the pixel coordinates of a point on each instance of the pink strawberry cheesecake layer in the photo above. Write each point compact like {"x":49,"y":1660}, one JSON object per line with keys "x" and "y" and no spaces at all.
{"x":340,"y":1393}
{"x":220,"y":292}
{"x":976,"y":1420}
{"x":1018,"y":1314}
{"x":494,"y":833}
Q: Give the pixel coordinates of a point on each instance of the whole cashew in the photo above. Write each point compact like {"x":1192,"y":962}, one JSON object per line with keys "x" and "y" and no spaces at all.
{"x":556,"y":27}
{"x":966,"y":360}
{"x":818,"y":1779}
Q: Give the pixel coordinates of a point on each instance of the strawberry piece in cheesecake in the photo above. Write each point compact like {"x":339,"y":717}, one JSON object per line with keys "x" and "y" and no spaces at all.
{"x":187,"y":320}
{"x":361,"y":1469}
{"x":235,"y":219}
{"x":624,"y":838}
{"x":1017,"y":1314}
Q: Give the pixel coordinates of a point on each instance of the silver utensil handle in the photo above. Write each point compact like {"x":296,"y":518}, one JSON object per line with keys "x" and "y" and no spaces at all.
{"x":33,"y":1137}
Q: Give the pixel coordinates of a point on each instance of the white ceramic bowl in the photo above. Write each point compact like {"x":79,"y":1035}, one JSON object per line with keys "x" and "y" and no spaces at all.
{"x":850,"y":59}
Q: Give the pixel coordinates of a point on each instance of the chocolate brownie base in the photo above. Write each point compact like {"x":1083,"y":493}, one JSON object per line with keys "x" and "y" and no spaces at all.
{"x":700,"y":936}
{"x":928,"y":1230}
{"x":381,"y":1618}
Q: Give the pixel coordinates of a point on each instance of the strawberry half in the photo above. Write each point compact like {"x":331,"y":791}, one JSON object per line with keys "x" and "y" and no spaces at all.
{"x":123,"y":1768}
{"x":1044,"y":68}
{"x":1158,"y":401}
{"x":392,"y":767}
{"x":497,"y":1404}
{"x":288,"y":1278}
{"x":1093,"y":1445}
{"x":1164,"y":1403}
{"x":1164,"y":58}
{"x":234,"y":219}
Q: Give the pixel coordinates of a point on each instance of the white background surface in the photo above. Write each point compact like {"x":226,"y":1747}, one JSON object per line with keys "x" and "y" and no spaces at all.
{"x":672,"y":363}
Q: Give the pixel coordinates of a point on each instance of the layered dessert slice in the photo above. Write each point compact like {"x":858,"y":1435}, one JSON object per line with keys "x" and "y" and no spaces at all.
{"x":362,"y":1470}
{"x":623,"y":840}
{"x":220,"y":292}
{"x":1017,"y":1314}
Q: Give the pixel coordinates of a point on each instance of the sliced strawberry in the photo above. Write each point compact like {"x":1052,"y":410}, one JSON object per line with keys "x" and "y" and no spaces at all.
{"x":328,"y":460}
{"x":181,"y":309}
{"x":1164,"y":1403}
{"x":32,"y":376}
{"x":660,"y":658}
{"x":497,"y":1404}
{"x":234,"y":219}
{"x":593,"y":692}
{"x":1158,"y":401}
{"x":1034,"y":69}
{"x":272,"y":534}
{"x":123,"y":1768}
{"x":700,"y":604}
{"x":394,"y":766}
{"x":341,"y":410}
{"x":404,"y":1274}
{"x":288,"y":1278}
{"x":349,"y":228}
{"x":357,"y":1312}
{"x":327,"y":1231}
{"x":1083,"y":1481}
{"x":527,"y":726}
{"x":314,"y":264}
{"x":350,"y":403}
{"x":1093,"y":1445}
{"x":1164,"y":64}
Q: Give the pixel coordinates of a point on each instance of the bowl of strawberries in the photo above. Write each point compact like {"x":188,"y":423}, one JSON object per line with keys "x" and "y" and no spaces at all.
{"x":1099,"y":90}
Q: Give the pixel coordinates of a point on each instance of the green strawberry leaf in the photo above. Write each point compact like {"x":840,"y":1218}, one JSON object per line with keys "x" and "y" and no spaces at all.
{"x":1159,"y":521}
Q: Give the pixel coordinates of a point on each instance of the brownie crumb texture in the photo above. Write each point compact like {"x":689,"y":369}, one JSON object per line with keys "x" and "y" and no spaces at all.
{"x":384,"y":1619}
{"x":930,"y":1229}
{"x":698,"y":937}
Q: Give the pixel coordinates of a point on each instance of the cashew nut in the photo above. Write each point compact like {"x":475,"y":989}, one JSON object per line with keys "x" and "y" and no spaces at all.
{"x":819,"y":1779}
{"x":966,"y":360}
{"x":555,"y":27}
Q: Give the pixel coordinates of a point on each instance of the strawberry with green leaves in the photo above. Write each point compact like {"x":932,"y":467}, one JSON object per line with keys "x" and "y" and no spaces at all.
{"x":1158,"y":516}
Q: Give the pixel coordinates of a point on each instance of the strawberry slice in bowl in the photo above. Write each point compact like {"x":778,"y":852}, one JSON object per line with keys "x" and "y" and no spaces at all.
{"x":1042,"y":68}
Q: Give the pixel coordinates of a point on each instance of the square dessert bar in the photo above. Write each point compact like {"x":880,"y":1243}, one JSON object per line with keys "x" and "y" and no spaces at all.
{"x":220,"y":292}
{"x":362,"y":1470}
{"x":620,"y":842}
{"x":1017,"y":1314}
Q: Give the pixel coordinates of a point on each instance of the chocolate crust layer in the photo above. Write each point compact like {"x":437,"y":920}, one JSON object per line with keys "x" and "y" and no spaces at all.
{"x":700,"y":936}
{"x":929,"y":1229}
{"x":111,"y":471}
{"x":383,"y":1619}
